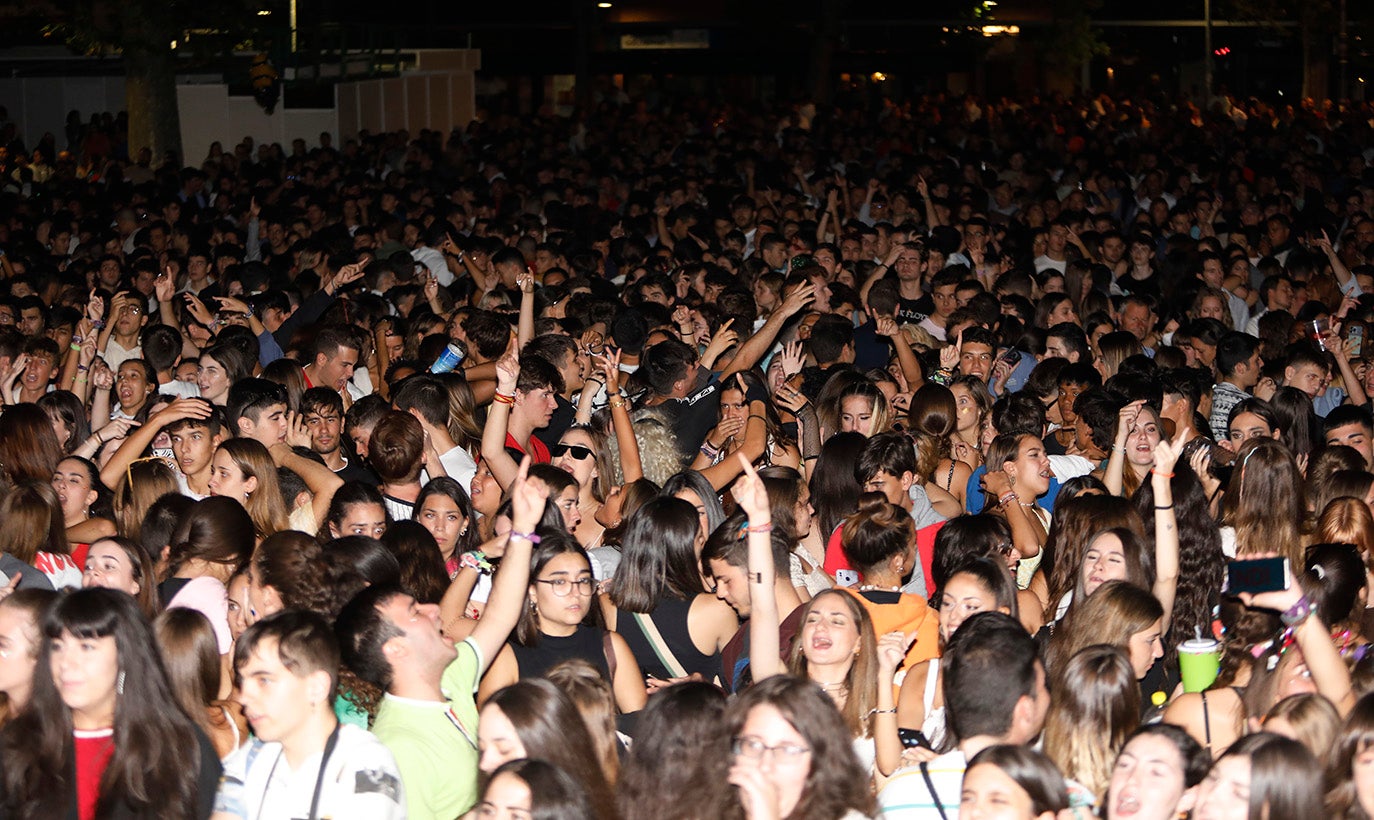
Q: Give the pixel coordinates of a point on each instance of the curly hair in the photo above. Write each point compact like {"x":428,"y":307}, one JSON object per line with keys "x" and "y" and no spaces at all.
{"x":1201,"y":562}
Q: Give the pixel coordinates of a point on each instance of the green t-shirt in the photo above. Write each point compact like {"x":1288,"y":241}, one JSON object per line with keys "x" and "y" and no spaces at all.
{"x":435,"y":744}
{"x":348,"y":712}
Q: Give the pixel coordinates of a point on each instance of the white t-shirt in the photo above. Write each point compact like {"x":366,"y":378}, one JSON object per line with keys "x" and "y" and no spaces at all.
{"x":360,"y":780}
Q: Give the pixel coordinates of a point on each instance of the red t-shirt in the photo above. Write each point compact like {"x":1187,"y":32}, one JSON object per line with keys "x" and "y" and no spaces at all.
{"x":93,"y":752}
{"x":538,"y":452}
{"x":835,"y":559}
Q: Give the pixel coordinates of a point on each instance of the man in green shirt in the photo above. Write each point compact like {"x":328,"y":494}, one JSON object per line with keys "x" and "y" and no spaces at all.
{"x":428,"y":718}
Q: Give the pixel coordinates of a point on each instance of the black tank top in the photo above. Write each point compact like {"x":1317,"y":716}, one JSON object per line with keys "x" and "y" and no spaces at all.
{"x":670,"y":616}
{"x":586,"y":643}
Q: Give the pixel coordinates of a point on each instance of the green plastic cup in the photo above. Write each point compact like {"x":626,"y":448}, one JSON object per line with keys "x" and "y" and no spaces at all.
{"x":1199,"y":661}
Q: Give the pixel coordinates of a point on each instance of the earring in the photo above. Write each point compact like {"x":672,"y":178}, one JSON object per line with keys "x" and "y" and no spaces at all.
{"x":119,"y":683}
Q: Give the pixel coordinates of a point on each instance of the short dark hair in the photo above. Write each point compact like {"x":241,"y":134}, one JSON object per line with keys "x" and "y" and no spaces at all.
{"x":1080,"y":372}
{"x":214,"y":423}
{"x":829,"y":336}
{"x":488,"y":332}
{"x":1074,"y":338}
{"x":979,"y":335}
{"x":990,"y":664}
{"x":161,"y":346}
{"x":890,"y":453}
{"x":305,"y":644}
{"x":426,"y":394}
{"x":362,"y":631}
{"x":666,"y":363}
{"x":536,"y":372}
{"x":1099,"y":410}
{"x":249,"y":397}
{"x":320,"y":399}
{"x":729,"y":543}
{"x":395,"y":447}
{"x":1233,"y":349}
{"x":331,"y":338}
{"x":551,"y":347}
{"x":1347,"y":414}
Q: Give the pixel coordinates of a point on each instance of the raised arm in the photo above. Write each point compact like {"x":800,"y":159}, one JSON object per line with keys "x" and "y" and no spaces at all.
{"x":1026,"y":537}
{"x":753,"y":348}
{"x":631,"y":467}
{"x":764,"y":621}
{"x":510,"y":586}
{"x":321,"y":480}
{"x":1116,"y":465}
{"x":141,"y":439}
{"x":503,"y":467}
{"x":1329,"y":672}
{"x":906,"y":358}
{"x":1166,"y":526}
{"x":892,"y":649}
{"x":525,"y":330}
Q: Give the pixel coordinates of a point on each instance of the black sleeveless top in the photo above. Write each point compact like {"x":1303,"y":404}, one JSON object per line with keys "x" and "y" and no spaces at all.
{"x":670,"y":616}
{"x":586,"y":643}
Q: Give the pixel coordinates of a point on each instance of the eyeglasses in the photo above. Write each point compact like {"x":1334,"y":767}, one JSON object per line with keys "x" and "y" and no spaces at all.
{"x":579,"y":453}
{"x":562,"y":586}
{"x":754,"y":749}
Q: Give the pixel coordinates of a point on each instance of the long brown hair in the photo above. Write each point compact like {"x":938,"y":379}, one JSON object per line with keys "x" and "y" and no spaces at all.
{"x":1096,"y":706}
{"x":1075,"y":521}
{"x":32,"y":518}
{"x":29,"y":449}
{"x":1111,"y":615}
{"x":835,"y":784}
{"x":1265,"y":502}
{"x":550,"y":728}
{"x":591,"y":693}
{"x":265,"y":505}
{"x":157,"y":758}
{"x":861,"y":682}
{"x":143,"y":483}
{"x":31,"y":603}
{"x":190,"y":653}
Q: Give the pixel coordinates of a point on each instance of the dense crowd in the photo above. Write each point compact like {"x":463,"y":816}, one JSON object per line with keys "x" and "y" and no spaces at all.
{"x":922,"y":460}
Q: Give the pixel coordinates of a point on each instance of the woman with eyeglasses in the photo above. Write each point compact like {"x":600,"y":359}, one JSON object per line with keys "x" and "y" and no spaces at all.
{"x":561,"y":622}
{"x":790,"y":752}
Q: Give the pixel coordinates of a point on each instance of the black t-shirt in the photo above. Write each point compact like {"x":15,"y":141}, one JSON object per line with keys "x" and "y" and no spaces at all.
{"x":914,"y":311}
{"x":563,"y":416}
{"x":355,"y":470}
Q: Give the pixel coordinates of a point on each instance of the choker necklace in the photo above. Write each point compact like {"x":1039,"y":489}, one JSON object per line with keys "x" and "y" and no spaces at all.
{"x":833,"y":687}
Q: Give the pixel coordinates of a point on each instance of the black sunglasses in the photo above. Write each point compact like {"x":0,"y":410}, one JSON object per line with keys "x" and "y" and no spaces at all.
{"x":579,"y":453}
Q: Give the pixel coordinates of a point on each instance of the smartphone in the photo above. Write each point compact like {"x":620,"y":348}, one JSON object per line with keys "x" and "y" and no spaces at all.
{"x":1256,"y":575}
{"x":914,"y":738}
{"x":1012,"y":357}
{"x":1356,"y":334}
